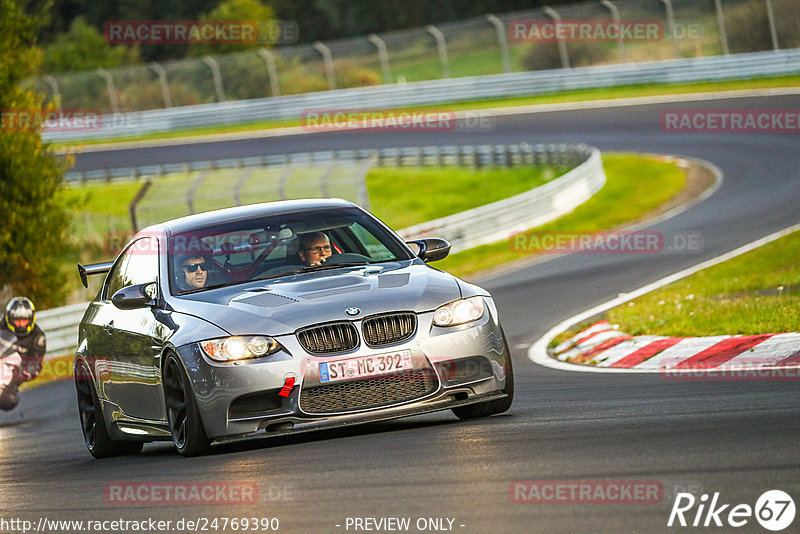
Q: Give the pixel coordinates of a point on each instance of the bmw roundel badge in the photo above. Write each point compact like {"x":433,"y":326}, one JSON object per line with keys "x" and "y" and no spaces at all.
{"x":352,"y":312}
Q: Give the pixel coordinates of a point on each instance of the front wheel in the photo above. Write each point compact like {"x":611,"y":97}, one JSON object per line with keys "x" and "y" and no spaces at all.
{"x":93,"y":426}
{"x":183,"y":415}
{"x":492,"y":407}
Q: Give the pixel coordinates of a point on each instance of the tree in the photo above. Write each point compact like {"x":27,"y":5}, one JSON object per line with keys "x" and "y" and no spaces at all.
{"x":84,"y":48}
{"x":236,"y":10}
{"x":34,"y":239}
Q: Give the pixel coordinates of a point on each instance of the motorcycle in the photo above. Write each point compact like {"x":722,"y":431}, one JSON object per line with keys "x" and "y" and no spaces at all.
{"x":9,"y":381}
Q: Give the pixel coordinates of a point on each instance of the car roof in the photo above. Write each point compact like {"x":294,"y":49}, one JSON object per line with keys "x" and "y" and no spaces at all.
{"x":241,"y":213}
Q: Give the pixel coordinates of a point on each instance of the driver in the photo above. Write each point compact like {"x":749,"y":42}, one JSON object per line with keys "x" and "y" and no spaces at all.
{"x":315,"y":248}
{"x":194,"y":273}
{"x":19,"y":335}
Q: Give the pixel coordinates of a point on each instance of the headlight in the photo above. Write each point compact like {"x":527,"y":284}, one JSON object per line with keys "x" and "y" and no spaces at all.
{"x":239,"y":347}
{"x":459,"y":312}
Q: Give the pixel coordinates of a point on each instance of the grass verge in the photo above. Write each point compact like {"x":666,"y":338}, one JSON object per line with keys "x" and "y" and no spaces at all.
{"x":625,"y":198}
{"x":569,"y":96}
{"x":755,"y":293}
{"x":402,"y":197}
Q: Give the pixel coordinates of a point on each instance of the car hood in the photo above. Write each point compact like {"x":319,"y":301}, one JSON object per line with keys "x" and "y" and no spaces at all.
{"x":281,"y":306}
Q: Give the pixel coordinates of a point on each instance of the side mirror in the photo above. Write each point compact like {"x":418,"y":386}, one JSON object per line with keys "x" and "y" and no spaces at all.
{"x":430,"y":249}
{"x":133,"y":297}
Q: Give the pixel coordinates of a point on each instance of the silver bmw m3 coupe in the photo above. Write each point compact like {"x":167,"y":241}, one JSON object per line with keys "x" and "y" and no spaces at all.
{"x":279,"y":318}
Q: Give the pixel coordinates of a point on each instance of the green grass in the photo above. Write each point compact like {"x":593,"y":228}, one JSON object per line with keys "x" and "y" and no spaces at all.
{"x":635,"y":186}
{"x":402,"y":197}
{"x":755,"y":293}
{"x":569,"y":96}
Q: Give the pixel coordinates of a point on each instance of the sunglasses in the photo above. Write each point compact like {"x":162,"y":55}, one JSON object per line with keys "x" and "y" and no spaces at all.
{"x":192,"y":267}
{"x":320,"y":249}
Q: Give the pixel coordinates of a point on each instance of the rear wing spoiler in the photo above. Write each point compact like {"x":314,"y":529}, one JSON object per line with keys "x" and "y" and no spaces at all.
{"x":94,"y":268}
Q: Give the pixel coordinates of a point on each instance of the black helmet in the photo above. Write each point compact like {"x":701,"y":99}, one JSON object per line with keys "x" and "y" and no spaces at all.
{"x":20,"y":316}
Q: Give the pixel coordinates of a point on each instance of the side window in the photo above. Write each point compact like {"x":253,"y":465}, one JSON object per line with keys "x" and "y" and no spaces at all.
{"x":137,"y":265}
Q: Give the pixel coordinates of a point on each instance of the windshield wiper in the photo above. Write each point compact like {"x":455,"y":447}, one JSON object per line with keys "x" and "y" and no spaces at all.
{"x":324,"y":266}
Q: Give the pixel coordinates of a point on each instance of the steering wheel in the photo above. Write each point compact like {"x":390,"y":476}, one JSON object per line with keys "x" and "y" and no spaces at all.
{"x":245,"y":272}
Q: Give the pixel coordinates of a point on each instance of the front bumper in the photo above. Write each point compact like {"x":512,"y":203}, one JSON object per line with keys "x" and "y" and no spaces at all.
{"x":241,"y":401}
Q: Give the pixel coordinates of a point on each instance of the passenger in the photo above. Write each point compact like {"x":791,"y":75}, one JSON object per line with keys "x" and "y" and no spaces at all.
{"x":315,"y":248}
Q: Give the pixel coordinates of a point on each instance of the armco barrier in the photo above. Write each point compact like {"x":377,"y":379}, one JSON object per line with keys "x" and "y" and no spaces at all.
{"x":739,"y":66}
{"x":60,"y":326}
{"x":485,"y":224}
{"x":558,"y":155}
{"x":496,"y":221}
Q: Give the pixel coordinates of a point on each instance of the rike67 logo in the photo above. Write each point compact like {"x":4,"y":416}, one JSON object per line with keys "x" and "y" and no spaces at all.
{"x":774,"y":510}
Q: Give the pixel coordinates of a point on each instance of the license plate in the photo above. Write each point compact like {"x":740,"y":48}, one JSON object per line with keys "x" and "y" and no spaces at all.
{"x":366,"y":366}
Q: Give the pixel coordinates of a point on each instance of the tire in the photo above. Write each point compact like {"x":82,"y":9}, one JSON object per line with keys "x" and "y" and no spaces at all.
{"x":492,"y":407}
{"x":93,"y":425}
{"x":9,"y":397}
{"x":183,"y":415}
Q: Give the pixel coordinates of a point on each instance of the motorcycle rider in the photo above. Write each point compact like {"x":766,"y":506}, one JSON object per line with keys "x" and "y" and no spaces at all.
{"x":22,"y":349}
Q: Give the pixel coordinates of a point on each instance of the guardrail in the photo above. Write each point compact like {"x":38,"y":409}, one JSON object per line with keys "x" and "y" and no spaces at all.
{"x":485,"y":224}
{"x":496,"y":221}
{"x":772,"y":63}
{"x":475,"y":156}
{"x":60,"y":326}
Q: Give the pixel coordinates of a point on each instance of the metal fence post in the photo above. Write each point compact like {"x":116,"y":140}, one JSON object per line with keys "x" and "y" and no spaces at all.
{"x":671,"y":26}
{"x":53,"y":83}
{"x":112,"y":92}
{"x":502,"y":41}
{"x":327,"y":58}
{"x":237,"y":191}
{"x":323,"y":180}
{"x":162,"y":79}
{"x":363,"y":193}
{"x":771,"y":20}
{"x":562,"y":46}
{"x":195,"y":186}
{"x":214,"y":66}
{"x":284,"y":179}
{"x":135,"y":202}
{"x":623,"y":56}
{"x":441,"y":46}
{"x":272,"y":69}
{"x":723,"y":34}
{"x":383,"y":56}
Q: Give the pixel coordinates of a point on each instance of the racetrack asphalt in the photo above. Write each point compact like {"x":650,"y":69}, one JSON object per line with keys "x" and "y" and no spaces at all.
{"x":736,"y":438}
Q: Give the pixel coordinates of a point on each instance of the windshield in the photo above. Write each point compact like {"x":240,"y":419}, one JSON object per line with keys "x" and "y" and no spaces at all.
{"x":281,"y":245}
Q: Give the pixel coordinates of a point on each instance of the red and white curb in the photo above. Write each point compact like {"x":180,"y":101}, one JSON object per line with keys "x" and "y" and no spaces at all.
{"x":611,"y":351}
{"x":602,"y":345}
